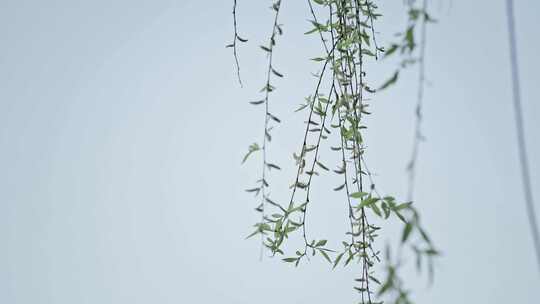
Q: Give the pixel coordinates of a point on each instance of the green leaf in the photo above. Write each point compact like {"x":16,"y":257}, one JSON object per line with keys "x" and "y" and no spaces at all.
{"x":241,"y":39}
{"x":390,"y":81}
{"x":339,"y":187}
{"x":403,"y":206}
{"x":376,"y":209}
{"x":322,"y":166}
{"x":409,"y":37}
{"x":368,"y":202}
{"x":320,"y":243}
{"x":400,"y":216}
{"x":424,"y":235}
{"x":254,"y":189}
{"x":254,"y":233}
{"x":278,"y":74}
{"x":367,"y":52}
{"x":393,"y":48}
{"x":266,"y":48}
{"x":358,"y":194}
{"x":302,"y":106}
{"x":311,"y":31}
{"x":350,"y":258}
{"x":290,"y":260}
{"x":252,"y":148}
{"x":274,"y":118}
{"x":374,"y":279}
{"x":406,"y":232}
{"x":432,"y":252}
{"x":272,"y":166}
{"x":338,"y":258}
{"x":325,"y":255}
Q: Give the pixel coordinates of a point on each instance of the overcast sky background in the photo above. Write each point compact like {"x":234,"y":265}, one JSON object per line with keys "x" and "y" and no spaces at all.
{"x":122,"y":128}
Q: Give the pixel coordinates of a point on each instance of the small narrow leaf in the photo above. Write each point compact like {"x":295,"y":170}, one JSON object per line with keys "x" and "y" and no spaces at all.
{"x":252,"y":148}
{"x":325,"y":255}
{"x":266,"y":48}
{"x":320,"y":243}
{"x":338,"y":258}
{"x":390,"y":81}
{"x":406,"y":232}
{"x":278,"y":74}
{"x":272,"y":166}
{"x":322,"y":166}
{"x":339,"y":187}
{"x":358,"y":194}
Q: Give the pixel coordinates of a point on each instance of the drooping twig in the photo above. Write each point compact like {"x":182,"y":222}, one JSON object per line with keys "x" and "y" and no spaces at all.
{"x":306,"y":131}
{"x":418,"y":137}
{"x":268,"y":116}
{"x":233,"y":45}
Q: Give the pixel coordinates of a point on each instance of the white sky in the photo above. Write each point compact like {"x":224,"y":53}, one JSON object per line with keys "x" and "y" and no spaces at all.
{"x":122,"y":128}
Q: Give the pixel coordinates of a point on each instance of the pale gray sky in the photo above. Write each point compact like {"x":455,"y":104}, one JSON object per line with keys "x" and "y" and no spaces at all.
{"x":122,"y":128}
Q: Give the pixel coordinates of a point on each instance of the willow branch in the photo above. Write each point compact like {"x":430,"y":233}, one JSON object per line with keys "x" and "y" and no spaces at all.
{"x":267,"y":89}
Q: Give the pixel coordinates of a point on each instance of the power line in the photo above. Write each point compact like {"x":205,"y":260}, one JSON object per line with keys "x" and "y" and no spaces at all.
{"x":520,"y":130}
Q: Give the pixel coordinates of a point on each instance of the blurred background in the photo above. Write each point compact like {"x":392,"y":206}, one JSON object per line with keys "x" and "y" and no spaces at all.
{"x":122,"y":129}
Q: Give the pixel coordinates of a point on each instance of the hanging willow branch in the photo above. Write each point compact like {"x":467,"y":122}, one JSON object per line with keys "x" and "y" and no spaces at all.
{"x":232,"y":45}
{"x":418,"y":137}
{"x":263,"y":226}
{"x":349,"y":27}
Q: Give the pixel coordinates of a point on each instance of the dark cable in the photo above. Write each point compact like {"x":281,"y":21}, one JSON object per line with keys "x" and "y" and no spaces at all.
{"x":520,"y":130}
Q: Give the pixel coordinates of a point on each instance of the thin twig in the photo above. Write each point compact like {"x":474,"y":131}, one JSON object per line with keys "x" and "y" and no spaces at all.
{"x":266,"y":135}
{"x":235,"y":39}
{"x":418,"y":137}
